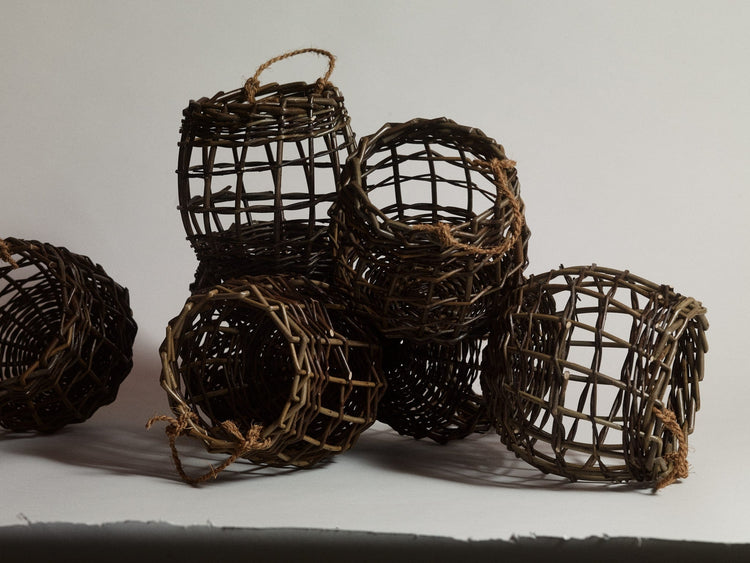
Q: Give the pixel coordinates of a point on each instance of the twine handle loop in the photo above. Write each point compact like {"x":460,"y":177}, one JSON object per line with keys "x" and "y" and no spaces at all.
{"x":442,"y":231}
{"x":6,"y":255}
{"x":179,"y":427}
{"x":253,"y":83}
{"x":677,"y":458}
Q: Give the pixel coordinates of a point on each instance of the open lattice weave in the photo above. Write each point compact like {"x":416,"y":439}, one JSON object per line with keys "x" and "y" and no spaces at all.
{"x":430,"y":389}
{"x":66,"y":336}
{"x":592,"y":373}
{"x":266,"y":369}
{"x":428,"y":226}
{"x":258,"y":169}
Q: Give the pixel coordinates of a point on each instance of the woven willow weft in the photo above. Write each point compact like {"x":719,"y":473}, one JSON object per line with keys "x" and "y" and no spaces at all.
{"x":430,"y":389}
{"x":66,"y":337}
{"x":258,"y":169}
{"x":421,"y":229}
{"x":582,"y":368}
{"x":267,"y":353}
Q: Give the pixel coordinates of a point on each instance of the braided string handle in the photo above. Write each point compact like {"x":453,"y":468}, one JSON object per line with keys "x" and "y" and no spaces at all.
{"x":176,"y":427}
{"x":6,"y":255}
{"x":252,"y":84}
{"x":678,"y":458}
{"x":442,"y":231}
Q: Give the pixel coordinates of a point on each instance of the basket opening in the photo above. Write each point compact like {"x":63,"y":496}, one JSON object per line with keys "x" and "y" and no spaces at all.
{"x":433,"y":389}
{"x":236,"y":365}
{"x":687,"y":371}
{"x":31,"y":314}
{"x":430,"y":184}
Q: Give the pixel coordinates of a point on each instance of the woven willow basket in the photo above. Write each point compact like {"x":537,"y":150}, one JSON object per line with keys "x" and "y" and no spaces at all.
{"x":430,"y":389}
{"x":266,"y":358}
{"x":66,"y":336}
{"x":428,"y":226}
{"x":584,"y":369}
{"x":257,"y":171}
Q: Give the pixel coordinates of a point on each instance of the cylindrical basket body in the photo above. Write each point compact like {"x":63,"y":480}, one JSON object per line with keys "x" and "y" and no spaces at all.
{"x":431,"y":391}
{"x":269,"y":353}
{"x":256,"y":179}
{"x":66,"y":337}
{"x":581,"y":366}
{"x":418,"y":227}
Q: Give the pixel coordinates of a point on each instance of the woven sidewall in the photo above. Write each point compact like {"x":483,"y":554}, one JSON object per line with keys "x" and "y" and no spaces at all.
{"x":430,"y":389}
{"x":265,"y":352}
{"x":577,"y":363}
{"x":403,"y":183}
{"x":256,"y":180}
{"x":66,"y":337}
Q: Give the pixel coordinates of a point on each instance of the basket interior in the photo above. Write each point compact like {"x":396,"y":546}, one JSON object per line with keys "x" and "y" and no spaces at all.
{"x":235,"y":364}
{"x":432,"y":388}
{"x":31,"y":314}
{"x":428,"y":181}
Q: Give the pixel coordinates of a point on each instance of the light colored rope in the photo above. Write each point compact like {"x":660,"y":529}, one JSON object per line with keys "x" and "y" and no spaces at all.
{"x":177,"y":427}
{"x":677,"y":458}
{"x":6,"y":255}
{"x":442,"y":231}
{"x":253,"y":83}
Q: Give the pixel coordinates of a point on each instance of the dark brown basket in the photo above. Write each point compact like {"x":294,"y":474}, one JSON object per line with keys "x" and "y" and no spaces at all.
{"x":262,"y":368}
{"x":585,"y":369}
{"x":430,"y":389}
{"x":429,"y":225}
{"x":66,"y":336}
{"x":257,"y":171}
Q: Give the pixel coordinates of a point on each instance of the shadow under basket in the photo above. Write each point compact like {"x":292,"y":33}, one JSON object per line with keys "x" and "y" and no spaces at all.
{"x":258,"y":169}
{"x":429,"y":225}
{"x":592,"y":374}
{"x":268,"y":357}
{"x":66,"y":337}
{"x":430,"y":390}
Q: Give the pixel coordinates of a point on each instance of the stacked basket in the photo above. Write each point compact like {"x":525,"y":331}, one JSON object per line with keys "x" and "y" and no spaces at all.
{"x":427,"y":231}
{"x":329,"y":270}
{"x":265,"y":362}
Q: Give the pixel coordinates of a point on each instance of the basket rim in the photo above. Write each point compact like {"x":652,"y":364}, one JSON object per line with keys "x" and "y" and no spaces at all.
{"x":414,"y":130}
{"x":70,"y":316}
{"x":688,"y":307}
{"x":302,"y":108}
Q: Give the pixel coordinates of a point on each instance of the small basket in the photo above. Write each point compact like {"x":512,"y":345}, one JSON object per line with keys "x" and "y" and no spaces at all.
{"x":266,"y":358}
{"x":430,"y":389}
{"x":428,"y":226}
{"x":257,"y":171}
{"x":593,"y":374}
{"x":66,"y":336}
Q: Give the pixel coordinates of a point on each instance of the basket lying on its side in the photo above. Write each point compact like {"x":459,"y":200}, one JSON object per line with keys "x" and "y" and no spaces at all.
{"x":592,"y":374}
{"x":261,"y":368}
{"x":66,"y":336}
{"x":428,"y":226}
{"x":257,"y":171}
{"x":430,"y":392}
